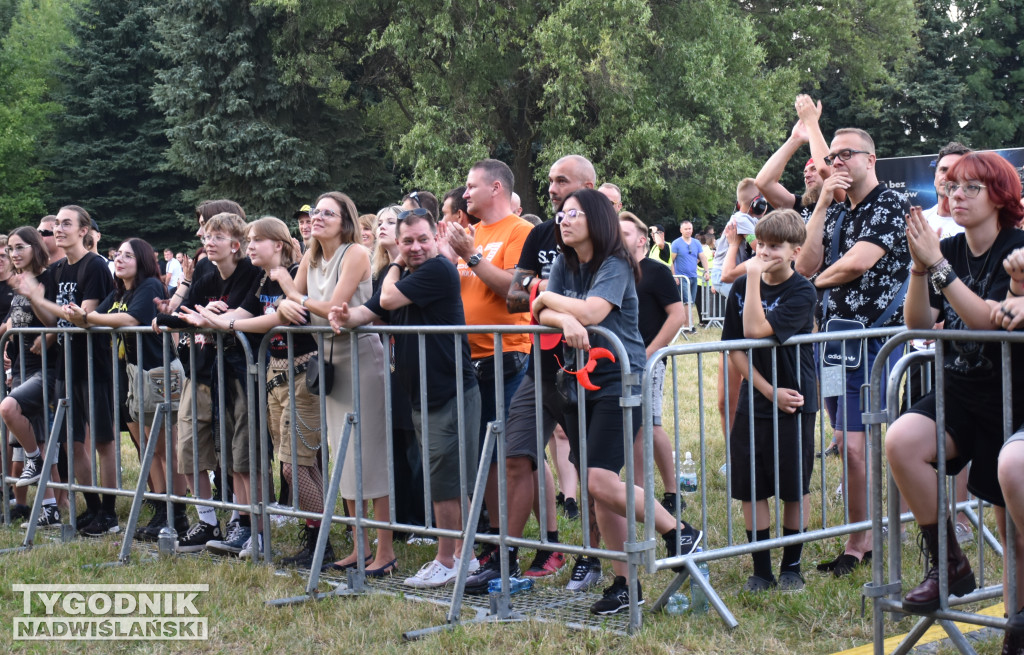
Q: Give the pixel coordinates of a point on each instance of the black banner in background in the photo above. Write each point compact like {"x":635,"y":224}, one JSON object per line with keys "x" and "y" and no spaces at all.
{"x":914,"y":177}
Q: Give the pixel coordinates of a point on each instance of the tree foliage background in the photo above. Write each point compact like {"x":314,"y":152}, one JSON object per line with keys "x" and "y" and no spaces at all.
{"x":139,"y":109}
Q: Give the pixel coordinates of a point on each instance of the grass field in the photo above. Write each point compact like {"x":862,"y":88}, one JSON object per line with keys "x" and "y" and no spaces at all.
{"x":825,"y":618}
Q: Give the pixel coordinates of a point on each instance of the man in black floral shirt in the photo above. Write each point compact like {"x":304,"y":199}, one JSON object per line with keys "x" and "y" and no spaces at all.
{"x":859,"y":251}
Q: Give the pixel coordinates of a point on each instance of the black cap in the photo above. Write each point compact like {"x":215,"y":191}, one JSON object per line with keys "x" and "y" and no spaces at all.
{"x":94,"y":225}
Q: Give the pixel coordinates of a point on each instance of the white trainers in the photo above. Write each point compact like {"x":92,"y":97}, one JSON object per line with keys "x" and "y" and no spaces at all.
{"x":248,"y":552}
{"x":432,"y":574}
{"x":280,"y":519}
{"x":474,"y":565}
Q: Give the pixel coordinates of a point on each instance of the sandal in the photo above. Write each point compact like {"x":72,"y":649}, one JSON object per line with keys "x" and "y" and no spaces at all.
{"x":337,"y":566}
{"x":756,"y":583}
{"x":386,"y":570}
{"x":848,"y":562}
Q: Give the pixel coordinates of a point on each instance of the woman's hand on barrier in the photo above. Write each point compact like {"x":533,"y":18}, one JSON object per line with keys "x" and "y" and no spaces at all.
{"x":75,"y":315}
{"x":338,"y":316}
{"x":195,"y":318}
{"x":922,"y":240}
{"x":575,"y":334}
{"x":790,"y":400}
{"x":1009,"y":314}
{"x":217,"y":307}
{"x":291,"y":313}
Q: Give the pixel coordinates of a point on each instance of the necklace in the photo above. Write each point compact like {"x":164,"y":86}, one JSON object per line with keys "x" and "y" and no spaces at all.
{"x":984,"y":264}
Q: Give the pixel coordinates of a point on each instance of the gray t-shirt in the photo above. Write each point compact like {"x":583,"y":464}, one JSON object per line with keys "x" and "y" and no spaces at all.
{"x":613,"y":282}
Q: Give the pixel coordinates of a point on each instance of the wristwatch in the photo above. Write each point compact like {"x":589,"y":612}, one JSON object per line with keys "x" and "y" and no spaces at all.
{"x":474,"y":260}
{"x":527,"y":281}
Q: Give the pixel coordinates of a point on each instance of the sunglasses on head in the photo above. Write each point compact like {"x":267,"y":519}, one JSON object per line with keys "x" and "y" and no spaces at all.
{"x":45,"y":233}
{"x":419,"y":211}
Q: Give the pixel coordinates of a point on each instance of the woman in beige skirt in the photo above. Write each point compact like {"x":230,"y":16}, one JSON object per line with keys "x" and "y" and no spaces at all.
{"x":333,"y":272}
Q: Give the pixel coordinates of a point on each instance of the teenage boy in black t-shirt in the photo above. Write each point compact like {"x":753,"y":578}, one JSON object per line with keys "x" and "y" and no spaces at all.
{"x":82,"y":278}
{"x":774,"y":300}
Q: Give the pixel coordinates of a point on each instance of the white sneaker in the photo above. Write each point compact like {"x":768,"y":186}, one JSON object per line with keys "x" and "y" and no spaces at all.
{"x":839,"y":491}
{"x":474,"y":565}
{"x":247,"y":549}
{"x":280,"y":519}
{"x":432,"y":574}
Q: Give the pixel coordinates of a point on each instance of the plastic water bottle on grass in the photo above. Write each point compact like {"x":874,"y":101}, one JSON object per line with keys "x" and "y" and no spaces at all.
{"x":515,"y":585}
{"x":688,"y":475}
{"x":678,"y":604}
{"x":700,"y":600}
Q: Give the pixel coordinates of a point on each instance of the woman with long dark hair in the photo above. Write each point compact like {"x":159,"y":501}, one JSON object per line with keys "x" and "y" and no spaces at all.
{"x":137,"y":285}
{"x":24,"y":410}
{"x":593,"y":283}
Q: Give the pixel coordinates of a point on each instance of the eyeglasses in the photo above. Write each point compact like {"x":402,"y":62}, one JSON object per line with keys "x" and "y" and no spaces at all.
{"x":326,"y":213}
{"x":46,"y":233}
{"x":219,"y":238}
{"x":419,"y":211}
{"x":845,"y":154}
{"x":970,"y":190}
{"x":124,"y":255}
{"x":17,"y":249}
{"x":572,"y":213}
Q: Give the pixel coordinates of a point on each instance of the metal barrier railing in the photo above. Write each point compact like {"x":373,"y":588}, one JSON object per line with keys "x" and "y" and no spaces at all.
{"x":885,"y":592}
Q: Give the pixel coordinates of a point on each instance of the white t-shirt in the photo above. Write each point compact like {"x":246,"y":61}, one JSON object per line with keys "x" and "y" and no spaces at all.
{"x":946,"y":224}
{"x":174,"y":271}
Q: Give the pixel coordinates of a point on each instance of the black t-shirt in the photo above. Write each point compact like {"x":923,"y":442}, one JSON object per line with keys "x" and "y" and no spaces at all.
{"x":6,"y":296}
{"x":262,"y":299}
{"x":539,"y":252}
{"x":139,"y":304}
{"x":655,"y":292}
{"x":788,"y":308}
{"x":96,"y":284}
{"x":436,"y":297}
{"x":878,"y":219}
{"x":22,"y":316}
{"x":208,"y":286}
{"x":971,"y":366}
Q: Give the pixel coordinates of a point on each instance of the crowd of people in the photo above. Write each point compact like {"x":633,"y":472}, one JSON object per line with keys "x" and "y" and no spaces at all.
{"x":846,"y":254}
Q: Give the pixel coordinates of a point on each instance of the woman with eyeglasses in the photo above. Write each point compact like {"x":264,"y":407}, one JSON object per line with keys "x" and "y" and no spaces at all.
{"x":137,"y":287}
{"x":593,"y":283}
{"x":332,"y":272}
{"x":24,"y":410}
{"x":961,"y":279}
{"x":272,"y":248}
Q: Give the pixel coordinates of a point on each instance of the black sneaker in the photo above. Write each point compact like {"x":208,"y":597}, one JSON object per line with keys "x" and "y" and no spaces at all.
{"x":151,"y":530}
{"x":48,"y":518}
{"x":616,"y":598}
{"x":18,"y":513}
{"x":196,"y":537}
{"x":85,"y":518}
{"x":32,"y":470}
{"x":689,"y":539}
{"x":103,"y":524}
{"x":571,"y":509}
{"x":307,"y":547}
{"x":585,"y":574}
{"x":486,"y":552}
{"x":477,"y":583}
{"x":669,"y":501}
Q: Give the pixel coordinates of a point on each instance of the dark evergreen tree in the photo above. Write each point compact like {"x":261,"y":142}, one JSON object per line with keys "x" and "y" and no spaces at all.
{"x":241,"y":131}
{"x":109,"y":152}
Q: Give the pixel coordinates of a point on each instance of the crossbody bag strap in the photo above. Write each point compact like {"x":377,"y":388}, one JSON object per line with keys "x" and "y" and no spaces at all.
{"x":837,"y":233}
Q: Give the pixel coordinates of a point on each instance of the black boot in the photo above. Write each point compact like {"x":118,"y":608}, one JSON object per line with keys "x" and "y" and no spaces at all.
{"x":307,"y":547}
{"x":924,"y":598}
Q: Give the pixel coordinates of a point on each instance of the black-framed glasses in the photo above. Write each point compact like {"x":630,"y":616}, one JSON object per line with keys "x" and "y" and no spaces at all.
{"x":45,"y":233}
{"x":970,"y":190}
{"x":572,"y":213}
{"x":845,"y":154}
{"x":419,"y":211}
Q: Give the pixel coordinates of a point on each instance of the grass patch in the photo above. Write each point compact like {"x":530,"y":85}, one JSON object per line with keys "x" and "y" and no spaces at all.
{"x":825,"y":618}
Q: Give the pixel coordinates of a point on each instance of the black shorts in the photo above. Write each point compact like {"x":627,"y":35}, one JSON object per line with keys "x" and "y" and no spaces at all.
{"x":521,"y":428}
{"x":976,"y":427}
{"x":102,"y":413}
{"x":605,"y":446}
{"x":29,"y":396}
{"x":795,"y":458}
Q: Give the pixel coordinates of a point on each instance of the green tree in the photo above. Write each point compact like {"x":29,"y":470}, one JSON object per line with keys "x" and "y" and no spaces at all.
{"x":656,"y":93}
{"x":31,"y":51}
{"x":240,"y":128}
{"x":109,"y":152}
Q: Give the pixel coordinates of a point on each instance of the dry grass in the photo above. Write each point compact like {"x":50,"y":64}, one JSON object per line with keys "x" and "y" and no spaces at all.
{"x":825,"y":618}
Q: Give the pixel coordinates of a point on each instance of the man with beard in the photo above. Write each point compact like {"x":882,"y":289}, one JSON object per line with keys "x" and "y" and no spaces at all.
{"x":815,"y":171}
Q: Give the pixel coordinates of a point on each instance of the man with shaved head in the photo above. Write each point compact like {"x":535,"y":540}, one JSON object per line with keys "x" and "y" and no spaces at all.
{"x":613,"y":193}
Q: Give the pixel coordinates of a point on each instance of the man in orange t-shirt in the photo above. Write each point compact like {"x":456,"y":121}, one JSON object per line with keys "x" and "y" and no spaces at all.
{"x":487,"y":256}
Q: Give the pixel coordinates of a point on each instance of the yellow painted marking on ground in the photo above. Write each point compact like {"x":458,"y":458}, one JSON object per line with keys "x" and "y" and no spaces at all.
{"x":934,"y":633}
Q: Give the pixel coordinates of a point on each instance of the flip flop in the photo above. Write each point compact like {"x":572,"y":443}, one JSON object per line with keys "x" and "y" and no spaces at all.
{"x":386,"y":570}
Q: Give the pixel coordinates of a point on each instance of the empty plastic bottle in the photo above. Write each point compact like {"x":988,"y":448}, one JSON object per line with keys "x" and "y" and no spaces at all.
{"x":700,"y":601}
{"x":688,"y":475}
{"x":678,"y":604}
{"x":515,"y":585}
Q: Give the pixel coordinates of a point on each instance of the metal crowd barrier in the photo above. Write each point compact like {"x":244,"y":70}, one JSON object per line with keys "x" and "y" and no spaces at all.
{"x":163,"y":416}
{"x":886,"y":591}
